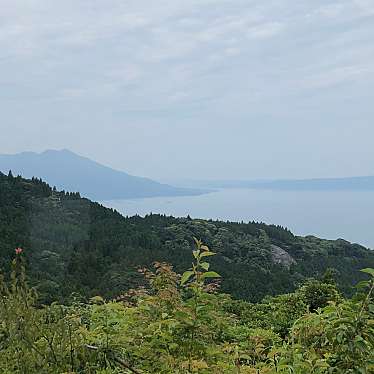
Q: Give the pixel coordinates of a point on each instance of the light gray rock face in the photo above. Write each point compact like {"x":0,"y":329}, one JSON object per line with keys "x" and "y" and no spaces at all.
{"x":281,"y":257}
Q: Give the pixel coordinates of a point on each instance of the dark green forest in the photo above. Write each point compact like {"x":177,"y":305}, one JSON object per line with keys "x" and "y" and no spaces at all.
{"x":75,"y":246}
{"x":84,"y":290}
{"x":183,"y":324}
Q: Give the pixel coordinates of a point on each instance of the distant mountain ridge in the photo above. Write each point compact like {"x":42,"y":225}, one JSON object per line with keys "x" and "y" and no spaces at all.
{"x":69,"y":171}
{"x":364,"y":183}
{"x":323,"y":184}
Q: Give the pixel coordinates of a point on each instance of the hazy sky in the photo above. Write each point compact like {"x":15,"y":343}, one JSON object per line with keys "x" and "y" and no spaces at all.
{"x":192,"y":88}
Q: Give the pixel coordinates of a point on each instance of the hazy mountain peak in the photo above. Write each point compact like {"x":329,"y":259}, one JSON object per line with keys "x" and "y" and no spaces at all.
{"x":60,"y":151}
{"x":70,"y":171}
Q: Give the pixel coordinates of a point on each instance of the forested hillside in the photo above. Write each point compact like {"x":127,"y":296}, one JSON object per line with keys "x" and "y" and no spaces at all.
{"x":76,"y":246}
{"x":181,"y":324}
{"x":113,"y":303}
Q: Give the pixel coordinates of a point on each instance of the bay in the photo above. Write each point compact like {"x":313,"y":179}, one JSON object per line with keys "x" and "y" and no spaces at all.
{"x":326,"y":214}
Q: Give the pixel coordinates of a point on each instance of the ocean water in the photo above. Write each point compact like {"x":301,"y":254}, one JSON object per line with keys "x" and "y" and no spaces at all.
{"x":327,"y":214}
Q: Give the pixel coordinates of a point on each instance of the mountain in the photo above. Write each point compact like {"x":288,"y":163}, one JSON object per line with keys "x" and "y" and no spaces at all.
{"x":69,"y":171}
{"x":75,"y":245}
{"x":365,"y":183}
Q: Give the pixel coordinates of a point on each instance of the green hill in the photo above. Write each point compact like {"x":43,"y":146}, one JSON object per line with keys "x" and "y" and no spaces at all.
{"x":75,"y":245}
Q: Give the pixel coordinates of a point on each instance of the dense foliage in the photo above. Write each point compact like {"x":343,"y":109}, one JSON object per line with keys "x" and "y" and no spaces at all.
{"x":77,"y":246}
{"x":180,"y":324}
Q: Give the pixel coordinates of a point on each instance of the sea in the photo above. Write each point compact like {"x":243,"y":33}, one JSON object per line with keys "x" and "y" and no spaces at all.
{"x":327,"y":214}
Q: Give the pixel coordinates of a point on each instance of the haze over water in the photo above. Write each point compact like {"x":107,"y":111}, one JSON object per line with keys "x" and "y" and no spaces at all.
{"x":326,"y":214}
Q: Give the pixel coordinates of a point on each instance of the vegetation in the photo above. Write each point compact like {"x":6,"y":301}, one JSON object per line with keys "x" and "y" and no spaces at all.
{"x":77,"y":246}
{"x":90,"y":304}
{"x":180,"y":324}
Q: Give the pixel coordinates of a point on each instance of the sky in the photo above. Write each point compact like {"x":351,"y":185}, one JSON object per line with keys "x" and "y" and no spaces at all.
{"x":192,"y":89}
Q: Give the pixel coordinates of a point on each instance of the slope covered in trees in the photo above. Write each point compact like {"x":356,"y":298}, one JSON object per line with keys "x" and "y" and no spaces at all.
{"x":181,"y":325}
{"x":76,"y":246}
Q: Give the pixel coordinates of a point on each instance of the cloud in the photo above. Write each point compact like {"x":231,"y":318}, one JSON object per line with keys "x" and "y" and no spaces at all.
{"x":246,"y":79}
{"x":330,"y":10}
{"x":73,"y":93}
{"x":266,"y":30}
{"x":366,"y":5}
{"x":170,"y":53}
{"x":338,"y":75}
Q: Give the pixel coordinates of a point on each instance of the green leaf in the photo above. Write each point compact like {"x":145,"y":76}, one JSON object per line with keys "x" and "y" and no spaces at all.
{"x":368,"y":271}
{"x":362,"y":284}
{"x":205,"y":254}
{"x":205,"y":265}
{"x":186,"y":276}
{"x":196,"y":253}
{"x":211,"y":274}
{"x":205,"y":248}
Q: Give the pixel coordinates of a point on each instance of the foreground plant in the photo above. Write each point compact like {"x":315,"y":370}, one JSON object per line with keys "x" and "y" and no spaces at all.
{"x":181,"y":324}
{"x":36,"y":339}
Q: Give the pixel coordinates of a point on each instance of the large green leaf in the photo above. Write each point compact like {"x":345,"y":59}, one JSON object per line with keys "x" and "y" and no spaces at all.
{"x":186,"y":276}
{"x":205,"y":265}
{"x":368,"y":271}
{"x":211,"y":274}
{"x":205,"y":254}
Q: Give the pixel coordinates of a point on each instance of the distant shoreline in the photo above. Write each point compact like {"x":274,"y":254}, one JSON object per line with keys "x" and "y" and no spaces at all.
{"x":364,"y":183}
